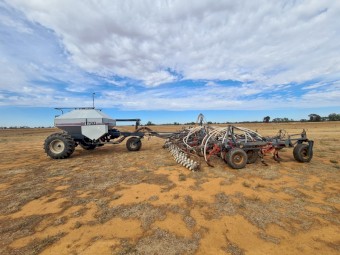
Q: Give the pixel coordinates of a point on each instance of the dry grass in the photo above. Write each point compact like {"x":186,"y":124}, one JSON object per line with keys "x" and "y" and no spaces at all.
{"x":159,"y":242}
{"x":269,"y":238}
{"x":116,"y":202}
{"x":37,"y":245}
{"x":233,"y":249}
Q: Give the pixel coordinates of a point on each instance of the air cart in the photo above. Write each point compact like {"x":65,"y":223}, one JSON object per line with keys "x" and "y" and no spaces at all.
{"x":89,"y":128}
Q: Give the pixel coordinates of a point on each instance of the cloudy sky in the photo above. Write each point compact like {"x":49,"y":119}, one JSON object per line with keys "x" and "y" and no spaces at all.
{"x":234,"y":60}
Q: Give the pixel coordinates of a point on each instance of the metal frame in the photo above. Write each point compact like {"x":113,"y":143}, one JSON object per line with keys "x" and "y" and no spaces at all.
{"x":207,"y":141}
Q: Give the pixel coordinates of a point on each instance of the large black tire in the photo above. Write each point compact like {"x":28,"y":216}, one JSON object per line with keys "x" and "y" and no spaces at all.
{"x":59,"y":145}
{"x":236,"y":158}
{"x":252,"y":156}
{"x":133,"y":144}
{"x":300,"y":153}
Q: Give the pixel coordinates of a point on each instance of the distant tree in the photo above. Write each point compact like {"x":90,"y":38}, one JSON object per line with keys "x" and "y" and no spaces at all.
{"x":333,"y":117}
{"x":149,"y":123}
{"x":176,"y":123}
{"x":266,"y":119}
{"x":281,"y":120}
{"x":314,"y":117}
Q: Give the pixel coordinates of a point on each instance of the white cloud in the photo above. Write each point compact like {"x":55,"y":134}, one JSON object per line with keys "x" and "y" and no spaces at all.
{"x":270,"y":42}
{"x":15,"y":24}
{"x":265,"y":46}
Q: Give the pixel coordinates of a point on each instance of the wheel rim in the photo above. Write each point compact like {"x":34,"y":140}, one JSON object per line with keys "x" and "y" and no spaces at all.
{"x":134,"y":144}
{"x":304,"y":153}
{"x":238,"y":159}
{"x":57,"y":146}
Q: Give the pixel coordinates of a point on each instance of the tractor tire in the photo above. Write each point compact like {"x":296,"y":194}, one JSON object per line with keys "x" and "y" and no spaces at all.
{"x":300,"y":153}
{"x":236,"y":158}
{"x":59,"y":145}
{"x":252,"y":156}
{"x":133,"y":144}
{"x":88,"y":147}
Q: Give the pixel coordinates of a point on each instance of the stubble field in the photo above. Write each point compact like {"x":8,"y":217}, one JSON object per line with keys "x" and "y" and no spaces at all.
{"x":112,"y":201}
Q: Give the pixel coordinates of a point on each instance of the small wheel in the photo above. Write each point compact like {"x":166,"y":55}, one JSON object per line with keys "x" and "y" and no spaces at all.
{"x":252,"y":156}
{"x":59,"y":145}
{"x":236,"y":158}
{"x":133,"y":144}
{"x":300,"y":153}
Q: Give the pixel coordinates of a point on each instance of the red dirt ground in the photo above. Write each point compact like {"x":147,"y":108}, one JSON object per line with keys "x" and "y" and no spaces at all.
{"x":112,"y":201}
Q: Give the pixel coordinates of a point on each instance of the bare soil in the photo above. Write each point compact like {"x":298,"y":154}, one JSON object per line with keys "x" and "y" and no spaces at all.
{"x":112,"y":201}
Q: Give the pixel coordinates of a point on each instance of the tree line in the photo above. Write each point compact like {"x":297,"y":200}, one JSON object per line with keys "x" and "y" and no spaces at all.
{"x":313,"y":117}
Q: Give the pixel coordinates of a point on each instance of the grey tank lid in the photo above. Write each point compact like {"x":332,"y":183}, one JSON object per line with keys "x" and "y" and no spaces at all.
{"x":83,"y":113}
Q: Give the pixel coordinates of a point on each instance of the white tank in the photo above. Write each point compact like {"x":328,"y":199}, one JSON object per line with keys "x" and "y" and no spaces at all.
{"x":90,"y":122}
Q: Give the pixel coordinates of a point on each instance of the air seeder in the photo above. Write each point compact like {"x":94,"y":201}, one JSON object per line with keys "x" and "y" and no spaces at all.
{"x":237,"y":146}
{"x":89,"y":128}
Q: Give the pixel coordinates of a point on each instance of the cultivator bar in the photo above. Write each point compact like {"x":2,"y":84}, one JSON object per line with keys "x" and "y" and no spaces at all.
{"x":237,"y":146}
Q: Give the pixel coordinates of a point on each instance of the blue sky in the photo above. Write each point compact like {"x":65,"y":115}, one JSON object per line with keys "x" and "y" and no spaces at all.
{"x":166,"y":61}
